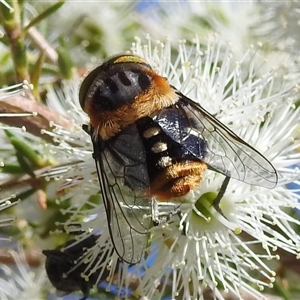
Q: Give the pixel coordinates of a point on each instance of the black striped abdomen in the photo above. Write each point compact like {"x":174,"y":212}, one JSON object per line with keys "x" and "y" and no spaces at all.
{"x":172,"y":170}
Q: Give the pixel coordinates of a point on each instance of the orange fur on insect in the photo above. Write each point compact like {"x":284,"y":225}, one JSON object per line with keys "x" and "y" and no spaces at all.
{"x":159,"y":95}
{"x":177,"y":180}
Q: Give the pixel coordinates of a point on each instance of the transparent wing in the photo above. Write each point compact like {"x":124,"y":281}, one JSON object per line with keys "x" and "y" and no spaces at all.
{"x":124,"y":183}
{"x":212,"y":142}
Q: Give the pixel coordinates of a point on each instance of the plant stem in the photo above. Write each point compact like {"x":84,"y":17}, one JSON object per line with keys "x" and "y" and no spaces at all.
{"x":11,"y":22}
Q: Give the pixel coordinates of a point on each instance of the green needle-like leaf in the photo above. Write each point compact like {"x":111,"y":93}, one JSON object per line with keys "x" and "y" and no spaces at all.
{"x":24,"y":149}
{"x":43,"y":15}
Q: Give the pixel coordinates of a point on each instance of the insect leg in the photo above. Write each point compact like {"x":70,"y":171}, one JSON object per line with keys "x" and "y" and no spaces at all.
{"x":155,"y":213}
{"x":89,"y":130}
{"x":175,"y":212}
{"x":221,"y":193}
{"x":86,"y":128}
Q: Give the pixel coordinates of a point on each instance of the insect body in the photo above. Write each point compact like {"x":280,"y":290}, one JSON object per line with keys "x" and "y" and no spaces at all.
{"x":65,"y":271}
{"x":152,"y":142}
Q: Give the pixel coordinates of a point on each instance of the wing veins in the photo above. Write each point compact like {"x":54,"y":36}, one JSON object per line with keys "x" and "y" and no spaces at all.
{"x":129,"y":239}
{"x":225,"y":152}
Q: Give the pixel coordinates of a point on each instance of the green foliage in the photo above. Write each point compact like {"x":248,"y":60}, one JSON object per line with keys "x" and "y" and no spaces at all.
{"x":25,"y":53}
{"x":37,"y":45}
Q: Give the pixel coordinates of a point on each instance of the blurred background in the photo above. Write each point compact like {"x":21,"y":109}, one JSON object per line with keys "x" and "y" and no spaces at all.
{"x":51,"y":45}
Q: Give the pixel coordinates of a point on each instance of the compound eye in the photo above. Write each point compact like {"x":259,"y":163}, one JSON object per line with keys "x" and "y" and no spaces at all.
{"x":114,"y":84}
{"x":86,"y":86}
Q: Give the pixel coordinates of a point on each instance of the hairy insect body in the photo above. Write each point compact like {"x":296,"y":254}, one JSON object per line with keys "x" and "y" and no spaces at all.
{"x":151,"y":142}
{"x":118,"y":98}
{"x":126,"y":98}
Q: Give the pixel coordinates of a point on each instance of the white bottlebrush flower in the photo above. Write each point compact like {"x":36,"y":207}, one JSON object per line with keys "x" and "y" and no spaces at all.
{"x":68,"y":161}
{"x":190,"y":18}
{"x":273,"y":25}
{"x":198,"y":250}
{"x":21,"y":281}
{"x":9,"y":199}
{"x":202,"y":251}
{"x":278,"y":25}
